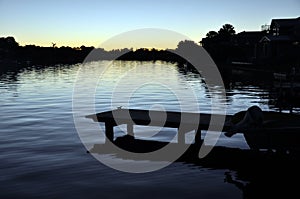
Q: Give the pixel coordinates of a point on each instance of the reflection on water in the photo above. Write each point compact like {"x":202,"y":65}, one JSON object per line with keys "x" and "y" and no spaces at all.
{"x":42,"y":155}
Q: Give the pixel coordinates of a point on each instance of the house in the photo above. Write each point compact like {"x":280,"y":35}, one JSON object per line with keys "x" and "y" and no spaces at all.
{"x":247,"y":42}
{"x":276,"y":46}
{"x":281,"y":47}
{"x":289,"y":27}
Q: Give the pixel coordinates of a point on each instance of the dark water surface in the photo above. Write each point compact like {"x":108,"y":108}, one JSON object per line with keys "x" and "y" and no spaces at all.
{"x":42,"y":155}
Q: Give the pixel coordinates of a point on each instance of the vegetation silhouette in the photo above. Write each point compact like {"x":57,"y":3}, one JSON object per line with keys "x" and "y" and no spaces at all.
{"x":274,"y":48}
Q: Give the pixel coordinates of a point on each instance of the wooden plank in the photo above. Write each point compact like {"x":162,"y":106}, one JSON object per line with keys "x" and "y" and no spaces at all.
{"x":155,"y":118}
{"x":184,"y":122}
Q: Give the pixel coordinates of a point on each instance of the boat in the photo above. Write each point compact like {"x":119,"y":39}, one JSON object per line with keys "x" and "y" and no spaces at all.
{"x":267,"y":129}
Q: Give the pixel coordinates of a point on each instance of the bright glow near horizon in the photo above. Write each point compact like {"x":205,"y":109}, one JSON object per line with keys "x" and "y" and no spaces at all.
{"x":75,"y":23}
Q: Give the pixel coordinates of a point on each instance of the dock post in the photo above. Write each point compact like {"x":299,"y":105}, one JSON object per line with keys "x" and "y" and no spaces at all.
{"x":198,"y":136}
{"x":109,"y":131}
{"x":181,"y":136}
{"x":130,"y":129}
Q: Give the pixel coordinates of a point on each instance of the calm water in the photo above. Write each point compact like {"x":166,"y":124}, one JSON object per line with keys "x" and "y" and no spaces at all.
{"x":42,"y":154}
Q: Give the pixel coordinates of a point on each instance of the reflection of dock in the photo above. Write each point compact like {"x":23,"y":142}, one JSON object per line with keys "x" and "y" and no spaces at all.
{"x":286,"y":91}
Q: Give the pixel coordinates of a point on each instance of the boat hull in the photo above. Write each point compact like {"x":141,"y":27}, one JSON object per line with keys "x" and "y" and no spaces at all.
{"x":278,"y":131}
{"x":279,"y":139}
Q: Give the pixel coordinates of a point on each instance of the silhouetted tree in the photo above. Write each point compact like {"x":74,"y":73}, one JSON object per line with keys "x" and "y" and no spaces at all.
{"x":219,"y":44}
{"x":8,"y":48}
{"x":185,"y":45}
{"x":8,"y":43}
{"x":211,"y":34}
{"x":226,"y":32}
{"x":87,"y":49}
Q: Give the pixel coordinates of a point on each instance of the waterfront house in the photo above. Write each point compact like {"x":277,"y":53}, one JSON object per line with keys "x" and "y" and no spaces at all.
{"x":281,"y":47}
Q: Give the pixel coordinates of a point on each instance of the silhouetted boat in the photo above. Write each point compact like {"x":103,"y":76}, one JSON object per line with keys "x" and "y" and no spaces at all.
{"x":269,"y":130}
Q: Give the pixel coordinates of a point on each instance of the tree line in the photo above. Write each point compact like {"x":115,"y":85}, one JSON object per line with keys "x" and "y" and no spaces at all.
{"x":219,"y":44}
{"x":14,"y":55}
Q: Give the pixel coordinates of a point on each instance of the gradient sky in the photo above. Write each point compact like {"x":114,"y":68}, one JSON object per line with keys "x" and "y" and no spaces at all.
{"x":75,"y":23}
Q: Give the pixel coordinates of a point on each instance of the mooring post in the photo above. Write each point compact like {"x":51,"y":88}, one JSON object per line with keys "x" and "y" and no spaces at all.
{"x":181,"y":136}
{"x":198,"y":139}
{"x":130,"y":129}
{"x":109,"y":132}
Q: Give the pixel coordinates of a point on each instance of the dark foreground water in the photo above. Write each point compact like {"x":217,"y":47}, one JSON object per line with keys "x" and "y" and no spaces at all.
{"x":42,"y":156}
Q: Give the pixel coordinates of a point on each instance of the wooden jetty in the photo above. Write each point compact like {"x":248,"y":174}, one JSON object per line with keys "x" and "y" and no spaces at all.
{"x":278,"y":130}
{"x":183,"y":121}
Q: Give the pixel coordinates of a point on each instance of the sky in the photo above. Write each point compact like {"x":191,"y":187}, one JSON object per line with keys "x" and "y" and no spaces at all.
{"x":93,"y":22}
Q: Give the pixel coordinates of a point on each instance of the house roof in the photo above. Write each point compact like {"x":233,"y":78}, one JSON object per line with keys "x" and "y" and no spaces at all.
{"x":251,"y":34}
{"x":286,"y":22}
{"x":249,"y":37}
{"x":276,"y":38}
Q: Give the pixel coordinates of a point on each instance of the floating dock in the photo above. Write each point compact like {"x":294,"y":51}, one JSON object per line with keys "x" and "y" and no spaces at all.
{"x":183,"y":121}
{"x":278,"y":130}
